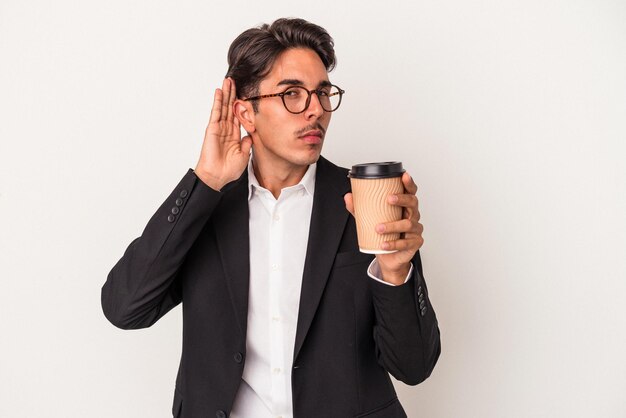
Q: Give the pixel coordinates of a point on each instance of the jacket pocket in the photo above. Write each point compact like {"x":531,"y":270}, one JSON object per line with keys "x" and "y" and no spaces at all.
{"x":391,"y":409}
{"x":177,"y":406}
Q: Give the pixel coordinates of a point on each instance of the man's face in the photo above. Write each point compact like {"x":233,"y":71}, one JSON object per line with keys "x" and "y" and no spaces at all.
{"x":284,"y":139}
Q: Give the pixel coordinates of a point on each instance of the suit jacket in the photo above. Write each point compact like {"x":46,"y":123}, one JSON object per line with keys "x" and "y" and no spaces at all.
{"x":351,"y":330}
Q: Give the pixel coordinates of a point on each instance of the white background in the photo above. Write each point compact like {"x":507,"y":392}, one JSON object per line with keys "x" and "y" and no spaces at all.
{"x":510,"y":115}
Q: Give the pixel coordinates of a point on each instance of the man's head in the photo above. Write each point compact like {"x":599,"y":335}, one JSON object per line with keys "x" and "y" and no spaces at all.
{"x":252,"y":55}
{"x":269,"y":60}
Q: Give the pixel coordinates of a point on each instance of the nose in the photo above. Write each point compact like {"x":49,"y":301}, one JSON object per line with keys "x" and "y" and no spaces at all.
{"x":315,"y":108}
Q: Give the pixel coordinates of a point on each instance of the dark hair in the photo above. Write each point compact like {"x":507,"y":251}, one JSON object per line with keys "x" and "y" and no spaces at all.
{"x":252,"y":55}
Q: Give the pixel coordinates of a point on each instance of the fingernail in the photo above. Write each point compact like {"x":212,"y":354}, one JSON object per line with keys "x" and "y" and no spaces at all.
{"x":393,"y":198}
{"x":385,"y":246}
{"x":380,"y":228}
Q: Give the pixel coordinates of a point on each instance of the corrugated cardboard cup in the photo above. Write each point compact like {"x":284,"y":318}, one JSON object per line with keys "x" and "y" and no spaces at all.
{"x":372,"y":183}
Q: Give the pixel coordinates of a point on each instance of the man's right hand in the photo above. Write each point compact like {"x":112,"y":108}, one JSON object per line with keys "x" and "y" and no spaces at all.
{"x":224,"y":154}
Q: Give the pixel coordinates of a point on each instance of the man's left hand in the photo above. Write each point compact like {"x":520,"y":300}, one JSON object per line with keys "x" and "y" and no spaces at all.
{"x":395,"y":266}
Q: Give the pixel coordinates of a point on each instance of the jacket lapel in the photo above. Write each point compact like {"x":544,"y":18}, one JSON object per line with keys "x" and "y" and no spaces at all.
{"x":328,"y":220}
{"x":232,"y":229}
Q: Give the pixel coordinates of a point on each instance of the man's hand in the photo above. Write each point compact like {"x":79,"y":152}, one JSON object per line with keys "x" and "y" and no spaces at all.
{"x":224,"y":153}
{"x":395,"y":266}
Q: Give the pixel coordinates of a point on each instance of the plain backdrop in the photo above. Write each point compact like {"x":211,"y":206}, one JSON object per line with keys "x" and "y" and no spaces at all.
{"x":509,"y":114}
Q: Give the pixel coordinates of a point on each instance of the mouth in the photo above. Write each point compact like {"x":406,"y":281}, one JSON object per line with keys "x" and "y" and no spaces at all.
{"x":312,"y":137}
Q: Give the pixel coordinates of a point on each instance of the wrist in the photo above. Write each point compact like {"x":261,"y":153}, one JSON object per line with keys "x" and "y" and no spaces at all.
{"x":211,"y":181}
{"x":396,"y":276}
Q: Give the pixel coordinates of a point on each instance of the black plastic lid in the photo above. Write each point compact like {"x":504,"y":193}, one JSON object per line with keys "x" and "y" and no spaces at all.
{"x":376,"y":170}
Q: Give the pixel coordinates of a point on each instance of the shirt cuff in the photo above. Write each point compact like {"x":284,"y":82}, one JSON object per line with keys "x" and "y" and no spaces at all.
{"x":374,"y":272}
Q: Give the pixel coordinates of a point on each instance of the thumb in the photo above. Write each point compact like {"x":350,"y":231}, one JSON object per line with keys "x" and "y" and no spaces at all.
{"x":246,"y":144}
{"x":347,"y":198}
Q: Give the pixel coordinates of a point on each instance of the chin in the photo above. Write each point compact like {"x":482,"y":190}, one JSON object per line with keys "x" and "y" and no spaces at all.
{"x":310,"y":157}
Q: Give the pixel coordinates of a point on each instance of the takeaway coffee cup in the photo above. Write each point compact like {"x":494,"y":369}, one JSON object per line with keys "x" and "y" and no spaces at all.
{"x":372,"y":183}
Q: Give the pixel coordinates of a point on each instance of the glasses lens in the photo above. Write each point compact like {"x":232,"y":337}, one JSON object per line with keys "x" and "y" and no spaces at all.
{"x":330,"y":97}
{"x":295,"y":98}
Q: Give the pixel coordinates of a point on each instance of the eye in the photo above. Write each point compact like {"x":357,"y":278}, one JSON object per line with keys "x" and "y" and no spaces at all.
{"x":323,"y":92}
{"x":292,"y":93}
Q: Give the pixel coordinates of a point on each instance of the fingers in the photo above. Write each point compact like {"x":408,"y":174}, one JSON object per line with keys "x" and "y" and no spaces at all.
{"x":216,"y":110}
{"x":223,"y":102}
{"x":409,"y":184}
{"x":404,"y":200}
{"x":412,"y":245}
{"x":347,"y":198}
{"x":231,"y":100}
{"x":409,"y":227}
{"x":408,"y":201}
{"x":226,"y":98}
{"x":403,"y":226}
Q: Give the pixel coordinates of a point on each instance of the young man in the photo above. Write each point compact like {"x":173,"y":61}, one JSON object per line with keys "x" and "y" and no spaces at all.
{"x":282,"y":315}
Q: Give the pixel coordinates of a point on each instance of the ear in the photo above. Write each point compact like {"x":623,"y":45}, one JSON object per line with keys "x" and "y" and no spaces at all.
{"x":244,"y":112}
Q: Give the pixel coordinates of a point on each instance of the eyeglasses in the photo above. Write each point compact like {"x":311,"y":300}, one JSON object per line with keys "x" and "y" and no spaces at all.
{"x":297,"y":98}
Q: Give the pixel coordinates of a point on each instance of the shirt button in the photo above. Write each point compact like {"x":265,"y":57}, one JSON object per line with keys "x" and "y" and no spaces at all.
{"x":275,"y":318}
{"x":276,"y":217}
{"x":276,"y":370}
{"x":274,"y":267}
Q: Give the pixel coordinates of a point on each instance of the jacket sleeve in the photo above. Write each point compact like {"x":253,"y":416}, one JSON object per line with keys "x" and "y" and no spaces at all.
{"x":142,"y":286}
{"x":406,"y":331}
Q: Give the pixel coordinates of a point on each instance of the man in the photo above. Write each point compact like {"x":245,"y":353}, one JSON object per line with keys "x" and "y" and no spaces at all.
{"x":282,"y":315}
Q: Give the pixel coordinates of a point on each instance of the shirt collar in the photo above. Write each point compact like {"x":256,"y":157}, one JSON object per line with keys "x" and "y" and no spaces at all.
{"x":307,"y":181}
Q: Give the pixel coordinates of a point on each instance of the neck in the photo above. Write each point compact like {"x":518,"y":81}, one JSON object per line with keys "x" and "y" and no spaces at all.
{"x":275,"y":177}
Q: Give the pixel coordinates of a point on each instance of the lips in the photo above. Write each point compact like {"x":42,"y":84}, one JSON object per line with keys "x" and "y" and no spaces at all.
{"x":312,"y":137}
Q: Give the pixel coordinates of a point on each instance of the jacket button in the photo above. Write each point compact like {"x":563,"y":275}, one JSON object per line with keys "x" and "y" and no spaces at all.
{"x":419,"y":290}
{"x":423,"y":311}
{"x":179,"y":202}
{"x":171,"y":218}
{"x":175,"y":210}
{"x":220,"y":414}
{"x":421,"y":297}
{"x":238,"y":357}
{"x":183,"y":193}
{"x":422,"y":304}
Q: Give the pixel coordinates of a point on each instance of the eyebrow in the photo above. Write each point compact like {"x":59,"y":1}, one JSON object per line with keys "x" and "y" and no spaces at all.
{"x":296,"y":82}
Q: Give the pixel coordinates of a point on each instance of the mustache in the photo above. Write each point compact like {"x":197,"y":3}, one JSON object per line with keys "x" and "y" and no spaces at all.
{"x":311,"y":127}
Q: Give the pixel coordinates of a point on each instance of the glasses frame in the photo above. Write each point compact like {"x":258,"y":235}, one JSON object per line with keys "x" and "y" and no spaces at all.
{"x":340,"y":92}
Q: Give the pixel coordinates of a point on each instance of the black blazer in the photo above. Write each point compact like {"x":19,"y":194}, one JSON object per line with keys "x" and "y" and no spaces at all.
{"x":351,"y":330}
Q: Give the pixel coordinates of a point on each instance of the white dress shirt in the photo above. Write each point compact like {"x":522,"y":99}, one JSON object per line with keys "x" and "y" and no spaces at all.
{"x":279,"y":231}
